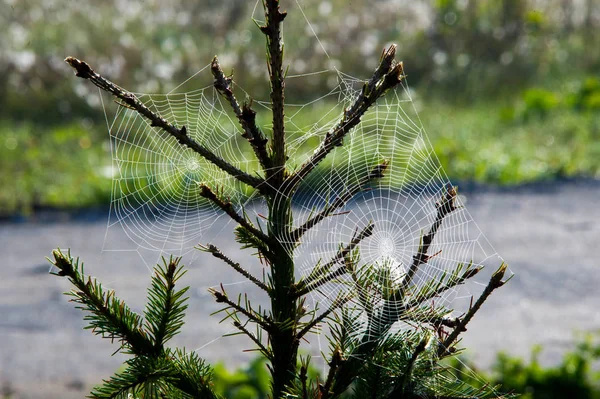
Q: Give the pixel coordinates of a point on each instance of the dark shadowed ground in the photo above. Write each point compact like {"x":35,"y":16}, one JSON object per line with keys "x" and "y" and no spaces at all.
{"x":548,"y":233}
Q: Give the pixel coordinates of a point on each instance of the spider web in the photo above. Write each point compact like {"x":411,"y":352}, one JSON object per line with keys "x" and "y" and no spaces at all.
{"x":156,"y":201}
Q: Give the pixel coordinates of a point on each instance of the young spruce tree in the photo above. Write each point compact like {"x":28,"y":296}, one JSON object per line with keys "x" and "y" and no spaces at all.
{"x":364,"y":361}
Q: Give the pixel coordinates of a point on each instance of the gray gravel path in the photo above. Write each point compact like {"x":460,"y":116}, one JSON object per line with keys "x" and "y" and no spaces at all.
{"x":548,"y":233}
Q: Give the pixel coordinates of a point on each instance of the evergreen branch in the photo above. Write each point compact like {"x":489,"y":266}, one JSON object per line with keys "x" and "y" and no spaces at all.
{"x":165,"y":309}
{"x":129,"y":100}
{"x":303,"y":376}
{"x":394,"y":310}
{"x":272,"y":30}
{"x":227,"y":207}
{"x":387,"y":75}
{"x":193,"y":375}
{"x":432,"y":291}
{"x":339,"y":302}
{"x":344,"y":330}
{"x":265,"y":352}
{"x":405,"y":379}
{"x":495,"y":282}
{"x":151,"y":373}
{"x":153,"y":367}
{"x":334,"y":365}
{"x":375,"y":173}
{"x":345,"y":339}
{"x":109,"y":316}
{"x":301,"y":387}
{"x":444,"y":208}
{"x":316,"y":280}
{"x":249,"y":240}
{"x":216,"y":252}
{"x":245,"y":114}
{"x":221,"y":297}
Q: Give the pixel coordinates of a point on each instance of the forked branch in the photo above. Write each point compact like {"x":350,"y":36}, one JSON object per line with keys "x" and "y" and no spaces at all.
{"x":216,"y":252}
{"x":445,"y":348}
{"x":227,"y":207}
{"x":388,"y":74}
{"x":234,"y":308}
{"x":256,"y":339}
{"x":339,"y":302}
{"x":84,"y":71}
{"x":322,"y":274}
{"x":109,"y":316}
{"x":245,"y":114}
{"x":375,"y":173}
{"x":444,"y":208}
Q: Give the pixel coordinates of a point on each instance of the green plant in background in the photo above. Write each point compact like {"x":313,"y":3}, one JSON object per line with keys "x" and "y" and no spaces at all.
{"x":34,"y":175}
{"x":490,"y":55}
{"x":365,"y":357}
{"x":575,"y":377}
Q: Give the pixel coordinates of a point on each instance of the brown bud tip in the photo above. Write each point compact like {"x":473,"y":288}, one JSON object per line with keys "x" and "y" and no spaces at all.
{"x":379,"y":169}
{"x":401,"y":68}
{"x":206,"y":192}
{"x":496,"y":280}
{"x":218,"y":296}
{"x":82,"y":69}
{"x":470,"y":273}
{"x":389,"y":53}
{"x":173,"y":266}
{"x":215,"y":67}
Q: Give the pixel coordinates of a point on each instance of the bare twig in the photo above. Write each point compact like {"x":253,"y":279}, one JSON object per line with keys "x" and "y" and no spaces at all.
{"x":83,"y":70}
{"x":216,"y":252}
{"x":495,"y":282}
{"x":375,"y":173}
{"x":221,"y":297}
{"x":227,"y":207}
{"x":340,"y":301}
{"x":312,"y":282}
{"x":444,"y":208}
{"x":254,"y":338}
{"x":245,"y":114}
{"x":387,"y":75}
{"x":469,"y":273}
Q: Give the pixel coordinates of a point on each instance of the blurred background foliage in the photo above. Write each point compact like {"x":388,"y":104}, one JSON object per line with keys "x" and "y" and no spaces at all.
{"x":574,"y":377}
{"x":508,"y":90}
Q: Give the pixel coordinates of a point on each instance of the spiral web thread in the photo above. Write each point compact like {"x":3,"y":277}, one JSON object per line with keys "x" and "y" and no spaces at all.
{"x":156,"y":200}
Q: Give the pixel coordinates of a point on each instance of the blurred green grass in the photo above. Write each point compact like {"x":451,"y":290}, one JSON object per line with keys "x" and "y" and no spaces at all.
{"x":68,"y":166}
{"x":508,"y":90}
